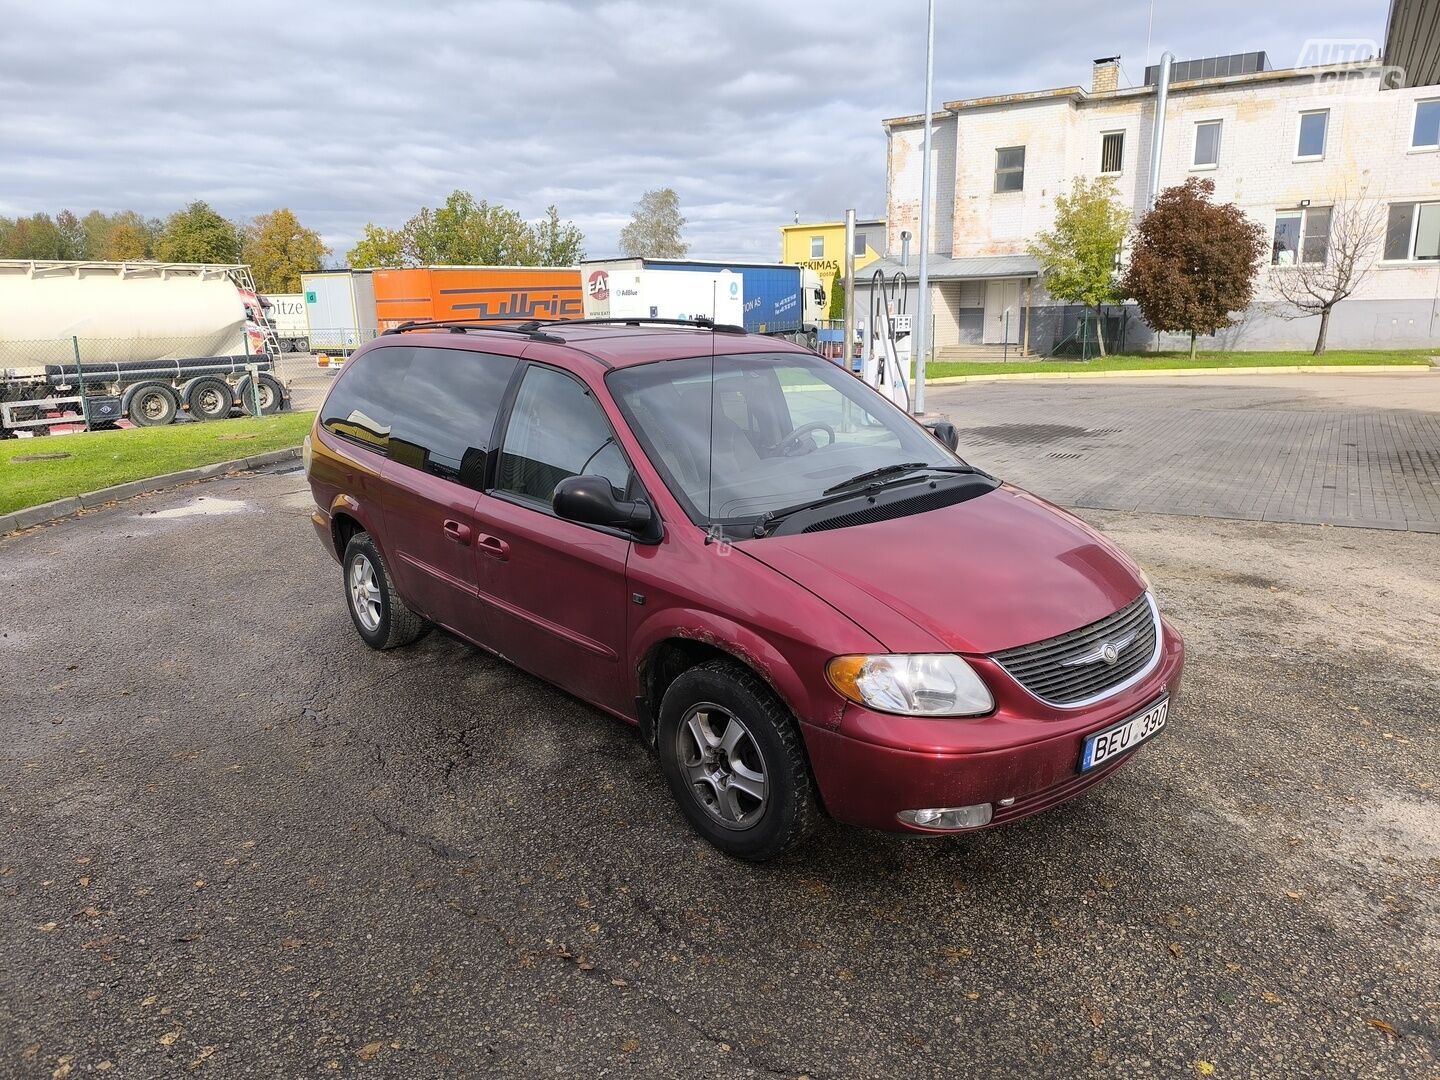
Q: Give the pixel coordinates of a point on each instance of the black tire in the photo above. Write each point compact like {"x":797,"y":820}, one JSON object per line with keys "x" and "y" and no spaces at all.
{"x":153,"y":405}
{"x":789,"y":811}
{"x":272,"y":395}
{"x":389,"y":623}
{"x":210,"y":398}
{"x":302,"y":345}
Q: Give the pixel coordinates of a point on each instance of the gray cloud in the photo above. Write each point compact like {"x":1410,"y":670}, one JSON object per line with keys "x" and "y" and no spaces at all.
{"x":360,"y":111}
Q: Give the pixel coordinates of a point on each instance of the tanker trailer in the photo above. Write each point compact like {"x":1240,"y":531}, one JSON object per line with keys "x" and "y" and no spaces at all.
{"x":154,"y":341}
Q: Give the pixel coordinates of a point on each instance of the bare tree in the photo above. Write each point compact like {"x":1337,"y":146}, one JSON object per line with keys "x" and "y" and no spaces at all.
{"x":1325,"y":269}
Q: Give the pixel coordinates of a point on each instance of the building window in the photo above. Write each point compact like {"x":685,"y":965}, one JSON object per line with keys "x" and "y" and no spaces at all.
{"x":1413,"y":231}
{"x":1010,"y":168}
{"x":1207,"y":144}
{"x":1426,"y":135}
{"x":1112,"y":152}
{"x":817,"y":247}
{"x":1301,"y":236}
{"x":1313,"y":125}
{"x":859,"y":244}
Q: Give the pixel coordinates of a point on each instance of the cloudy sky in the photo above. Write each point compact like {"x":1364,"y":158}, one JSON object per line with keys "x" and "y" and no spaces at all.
{"x":350,"y":111}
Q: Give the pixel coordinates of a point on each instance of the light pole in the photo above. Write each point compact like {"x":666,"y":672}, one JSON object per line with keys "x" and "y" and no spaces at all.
{"x":921,"y":329}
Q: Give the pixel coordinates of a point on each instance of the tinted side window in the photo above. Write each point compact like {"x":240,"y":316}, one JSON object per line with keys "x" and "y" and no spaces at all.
{"x":360,"y":407}
{"x":556,"y":430}
{"x":445,"y":412}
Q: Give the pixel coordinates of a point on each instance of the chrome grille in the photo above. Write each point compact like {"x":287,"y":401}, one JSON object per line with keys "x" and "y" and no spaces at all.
{"x":1068,"y":670}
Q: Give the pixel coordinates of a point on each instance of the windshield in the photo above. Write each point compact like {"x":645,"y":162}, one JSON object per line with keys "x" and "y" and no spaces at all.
{"x":765,"y":431}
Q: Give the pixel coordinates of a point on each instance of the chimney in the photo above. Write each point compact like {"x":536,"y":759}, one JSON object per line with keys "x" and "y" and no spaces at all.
{"x":1105,"y":76}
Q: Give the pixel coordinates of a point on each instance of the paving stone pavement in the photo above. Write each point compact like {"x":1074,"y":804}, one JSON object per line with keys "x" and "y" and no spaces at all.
{"x":1345,"y":450}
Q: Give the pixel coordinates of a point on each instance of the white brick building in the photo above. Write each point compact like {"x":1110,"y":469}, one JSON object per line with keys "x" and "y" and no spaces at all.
{"x":1282,"y":145}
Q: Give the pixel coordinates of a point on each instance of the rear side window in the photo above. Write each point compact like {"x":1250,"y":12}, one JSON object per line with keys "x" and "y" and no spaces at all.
{"x":360,"y":407}
{"x":445,"y":412}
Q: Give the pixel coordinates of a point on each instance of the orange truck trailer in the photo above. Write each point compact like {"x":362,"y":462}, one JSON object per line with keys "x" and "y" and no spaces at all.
{"x":477,"y":292}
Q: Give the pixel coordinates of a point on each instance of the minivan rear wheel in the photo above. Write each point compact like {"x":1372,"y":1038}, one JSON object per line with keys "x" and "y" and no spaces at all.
{"x":733,"y":757}
{"x":379,"y":615}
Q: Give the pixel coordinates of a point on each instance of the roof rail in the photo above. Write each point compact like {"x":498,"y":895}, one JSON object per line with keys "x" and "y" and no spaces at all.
{"x":699,"y":322}
{"x":464,"y":326}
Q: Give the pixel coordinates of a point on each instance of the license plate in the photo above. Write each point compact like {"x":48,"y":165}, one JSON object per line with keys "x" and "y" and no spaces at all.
{"x":1109,"y":744}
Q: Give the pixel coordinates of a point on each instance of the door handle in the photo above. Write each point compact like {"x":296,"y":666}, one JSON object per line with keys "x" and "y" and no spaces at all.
{"x":457,"y":532}
{"x":494,"y":547}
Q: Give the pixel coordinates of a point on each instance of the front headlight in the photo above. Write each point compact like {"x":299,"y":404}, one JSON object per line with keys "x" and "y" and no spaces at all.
{"x":916,"y":684}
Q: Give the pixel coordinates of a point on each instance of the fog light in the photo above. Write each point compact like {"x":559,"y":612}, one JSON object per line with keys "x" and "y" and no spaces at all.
{"x":948,"y":817}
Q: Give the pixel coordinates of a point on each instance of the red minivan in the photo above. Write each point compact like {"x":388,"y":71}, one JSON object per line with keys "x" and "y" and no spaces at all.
{"x":806,"y":601}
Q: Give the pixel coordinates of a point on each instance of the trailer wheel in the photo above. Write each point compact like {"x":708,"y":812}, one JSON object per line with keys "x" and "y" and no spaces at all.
{"x":153,"y":405}
{"x":272,"y":394}
{"x":209,"y":398}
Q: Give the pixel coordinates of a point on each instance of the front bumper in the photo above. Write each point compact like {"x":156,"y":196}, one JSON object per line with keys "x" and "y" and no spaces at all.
{"x":872,"y":766}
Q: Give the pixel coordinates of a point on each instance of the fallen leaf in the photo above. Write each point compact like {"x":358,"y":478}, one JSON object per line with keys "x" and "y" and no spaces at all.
{"x":1292,"y":895}
{"x":1230,"y":965}
{"x":49,"y":926}
{"x":90,"y":911}
{"x":629,"y":1046}
{"x":1271,"y":997}
{"x":1096,"y":1019}
{"x":332,"y":1065}
{"x":168,"y":1039}
{"x":1381,"y":1025}
{"x":973,"y":995}
{"x":618,"y":982}
{"x":151,"y":1000}
{"x":1204,"y":1068}
{"x":292,"y":942}
{"x":369,"y":1051}
{"x":85,"y":882}
{"x":104,"y":1066}
{"x":199,"y":884}
{"x":205,"y":1052}
{"x":62,"y":1067}
{"x":1175,"y":949}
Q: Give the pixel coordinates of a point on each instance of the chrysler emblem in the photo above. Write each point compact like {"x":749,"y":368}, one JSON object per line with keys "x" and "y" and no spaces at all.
{"x":1108,"y":653}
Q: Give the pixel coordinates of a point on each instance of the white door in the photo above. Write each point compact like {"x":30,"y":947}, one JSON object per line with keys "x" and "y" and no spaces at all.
{"x":1002,"y":312}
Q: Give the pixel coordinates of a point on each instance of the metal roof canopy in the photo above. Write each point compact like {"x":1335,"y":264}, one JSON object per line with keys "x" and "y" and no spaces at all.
{"x":973,"y":268}
{"x":1412,"y":41}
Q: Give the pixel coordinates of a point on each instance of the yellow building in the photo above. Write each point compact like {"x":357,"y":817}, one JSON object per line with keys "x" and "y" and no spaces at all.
{"x":821,"y":247}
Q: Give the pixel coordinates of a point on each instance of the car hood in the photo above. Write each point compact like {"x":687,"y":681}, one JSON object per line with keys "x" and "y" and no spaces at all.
{"x":985,"y":575}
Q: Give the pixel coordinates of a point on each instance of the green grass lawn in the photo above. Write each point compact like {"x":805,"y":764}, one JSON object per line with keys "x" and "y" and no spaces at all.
{"x":1179,"y":361}
{"x":102,"y":458}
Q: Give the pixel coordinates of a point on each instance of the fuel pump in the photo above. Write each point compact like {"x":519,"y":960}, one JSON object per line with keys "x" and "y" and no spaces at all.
{"x":887,"y":367}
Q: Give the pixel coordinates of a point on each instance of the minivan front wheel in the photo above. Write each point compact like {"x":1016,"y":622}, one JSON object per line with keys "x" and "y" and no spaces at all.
{"x":380,"y":616}
{"x":732,"y":755}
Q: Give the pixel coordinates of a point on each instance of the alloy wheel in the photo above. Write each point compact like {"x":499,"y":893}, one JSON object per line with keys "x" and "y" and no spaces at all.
{"x":724,"y":766}
{"x":365,"y":593}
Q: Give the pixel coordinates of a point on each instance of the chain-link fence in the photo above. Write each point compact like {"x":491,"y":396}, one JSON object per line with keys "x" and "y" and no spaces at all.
{"x":57,"y":385}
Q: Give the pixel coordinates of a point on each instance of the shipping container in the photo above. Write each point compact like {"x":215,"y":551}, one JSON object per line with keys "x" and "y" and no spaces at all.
{"x":476,"y":292}
{"x":339,"y":309}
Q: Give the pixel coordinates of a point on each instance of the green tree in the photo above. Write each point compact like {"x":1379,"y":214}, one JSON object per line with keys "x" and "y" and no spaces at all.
{"x":1193,"y":262}
{"x":655,"y":227}
{"x":125,"y":242}
{"x":200,"y":235}
{"x":278,"y":249}
{"x":556,"y":244}
{"x":379,"y":248}
{"x":1078,"y":256}
{"x":837,"y":298}
{"x":468,"y":232}
{"x":34,"y":237}
{"x":72,"y":235}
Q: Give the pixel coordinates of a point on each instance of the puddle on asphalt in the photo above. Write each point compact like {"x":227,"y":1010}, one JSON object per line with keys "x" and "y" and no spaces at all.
{"x":203,"y":507}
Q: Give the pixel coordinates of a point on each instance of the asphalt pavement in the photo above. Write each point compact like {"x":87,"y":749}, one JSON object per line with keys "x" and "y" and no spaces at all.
{"x":236,"y":842}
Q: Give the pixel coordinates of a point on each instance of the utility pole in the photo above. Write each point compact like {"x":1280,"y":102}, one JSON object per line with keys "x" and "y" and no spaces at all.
{"x":921,"y":326}
{"x":849,"y":330}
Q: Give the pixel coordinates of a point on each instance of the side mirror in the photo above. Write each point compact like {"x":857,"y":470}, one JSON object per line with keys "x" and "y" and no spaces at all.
{"x":591,"y":501}
{"x":945,"y":432}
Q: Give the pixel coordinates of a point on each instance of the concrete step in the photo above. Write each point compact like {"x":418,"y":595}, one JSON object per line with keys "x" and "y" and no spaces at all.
{"x":989,"y":353}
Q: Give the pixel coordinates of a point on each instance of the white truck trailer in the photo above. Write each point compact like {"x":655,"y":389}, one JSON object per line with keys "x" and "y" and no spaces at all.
{"x":339,"y":309}
{"x":139,"y":340}
{"x":286,"y":312}
{"x":629,"y":288}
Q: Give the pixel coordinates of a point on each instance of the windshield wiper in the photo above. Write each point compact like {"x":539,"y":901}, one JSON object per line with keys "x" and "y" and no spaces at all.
{"x":767,"y":521}
{"x":896,"y":470}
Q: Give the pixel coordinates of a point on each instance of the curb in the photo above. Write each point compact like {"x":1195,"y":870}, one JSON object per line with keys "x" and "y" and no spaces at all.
{"x":1171,"y":373}
{"x":60,"y":508}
